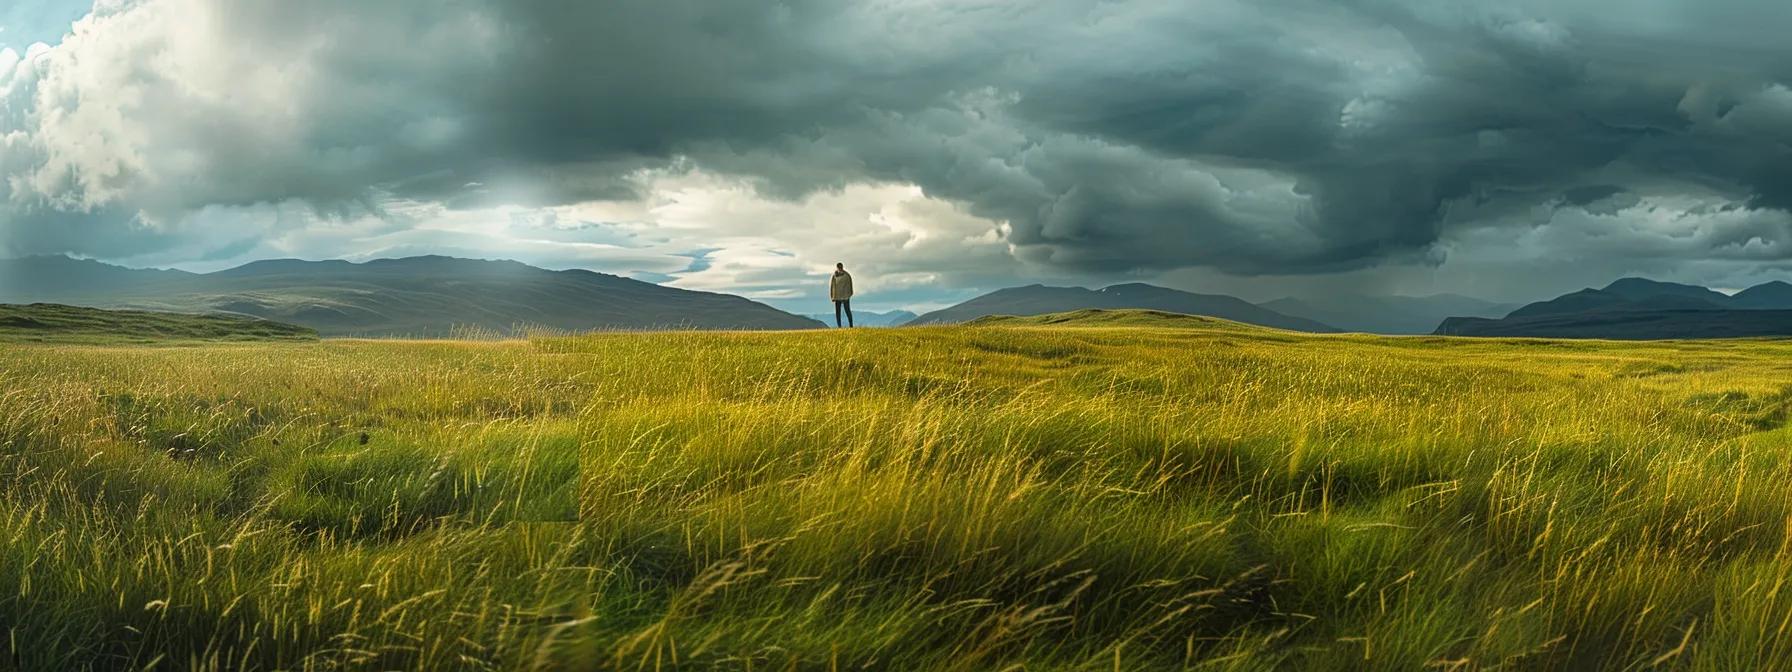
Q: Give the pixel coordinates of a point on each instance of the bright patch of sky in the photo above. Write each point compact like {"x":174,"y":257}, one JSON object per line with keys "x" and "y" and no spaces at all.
{"x":23,"y":22}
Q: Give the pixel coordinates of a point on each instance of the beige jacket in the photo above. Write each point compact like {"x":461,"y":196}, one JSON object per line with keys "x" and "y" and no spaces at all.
{"x":840,"y":286}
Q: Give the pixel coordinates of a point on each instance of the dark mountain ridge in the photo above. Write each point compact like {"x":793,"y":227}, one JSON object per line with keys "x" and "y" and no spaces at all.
{"x":1642,"y":309}
{"x":1765,"y":296}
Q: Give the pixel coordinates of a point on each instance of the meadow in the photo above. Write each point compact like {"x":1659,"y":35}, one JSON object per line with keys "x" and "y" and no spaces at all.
{"x":1111,"y":492}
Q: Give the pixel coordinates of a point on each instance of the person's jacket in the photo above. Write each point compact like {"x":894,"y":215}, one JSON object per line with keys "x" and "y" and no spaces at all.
{"x":840,"y":286}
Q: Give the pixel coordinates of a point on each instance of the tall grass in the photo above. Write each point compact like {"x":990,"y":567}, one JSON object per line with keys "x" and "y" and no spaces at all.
{"x":936,"y":498}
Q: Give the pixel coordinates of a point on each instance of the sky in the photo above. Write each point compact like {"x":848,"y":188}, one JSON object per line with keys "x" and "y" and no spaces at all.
{"x":940,"y":148}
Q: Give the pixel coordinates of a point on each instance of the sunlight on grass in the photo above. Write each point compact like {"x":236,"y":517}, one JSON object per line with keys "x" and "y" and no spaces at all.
{"x":1142,"y":497}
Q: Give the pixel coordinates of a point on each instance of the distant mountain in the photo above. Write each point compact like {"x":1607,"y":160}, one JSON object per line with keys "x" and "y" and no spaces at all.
{"x":866,"y":318}
{"x":53,"y":279}
{"x":1041,"y":300}
{"x":1594,"y":300}
{"x":1636,"y":308}
{"x":416,"y":296}
{"x":1642,"y":289}
{"x":1776,"y":295}
{"x":1388,"y":314}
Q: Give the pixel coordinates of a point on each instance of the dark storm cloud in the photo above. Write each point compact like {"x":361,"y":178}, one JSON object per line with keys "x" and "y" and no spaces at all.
{"x":1104,"y":157}
{"x":1500,"y":112}
{"x":104,"y":232}
{"x":1290,"y":136}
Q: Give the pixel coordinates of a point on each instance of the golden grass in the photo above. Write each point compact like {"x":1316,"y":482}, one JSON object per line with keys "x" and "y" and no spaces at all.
{"x":1209,"y":497}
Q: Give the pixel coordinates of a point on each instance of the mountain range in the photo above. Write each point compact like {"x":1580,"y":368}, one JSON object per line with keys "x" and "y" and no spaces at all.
{"x":1641,"y":309}
{"x":435,"y":296}
{"x":416,"y":296}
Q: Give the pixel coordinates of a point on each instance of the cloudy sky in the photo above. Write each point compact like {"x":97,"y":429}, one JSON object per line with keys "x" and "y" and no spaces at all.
{"x":940,"y":147}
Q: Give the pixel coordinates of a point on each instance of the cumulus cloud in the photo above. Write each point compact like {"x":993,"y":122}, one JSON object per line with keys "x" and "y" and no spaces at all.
{"x":713,"y":144}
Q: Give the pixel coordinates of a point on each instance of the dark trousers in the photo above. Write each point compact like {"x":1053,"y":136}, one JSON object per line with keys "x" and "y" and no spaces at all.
{"x":846,"y":305}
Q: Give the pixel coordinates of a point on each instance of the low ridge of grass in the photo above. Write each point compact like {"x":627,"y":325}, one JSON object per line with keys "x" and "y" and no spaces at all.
{"x":1098,"y":317}
{"x":48,"y":322}
{"x":928,"y":498}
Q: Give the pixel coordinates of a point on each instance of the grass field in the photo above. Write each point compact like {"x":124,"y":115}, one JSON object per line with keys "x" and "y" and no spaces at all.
{"x":1181,"y":495}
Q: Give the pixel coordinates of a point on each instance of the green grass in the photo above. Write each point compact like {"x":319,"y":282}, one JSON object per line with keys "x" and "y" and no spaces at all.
{"x":54,"y":323}
{"x":1097,"y":317}
{"x":1206,"y":496}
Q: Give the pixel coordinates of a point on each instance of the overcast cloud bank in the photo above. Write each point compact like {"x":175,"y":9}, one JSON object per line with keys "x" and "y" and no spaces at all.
{"x":938,"y":147}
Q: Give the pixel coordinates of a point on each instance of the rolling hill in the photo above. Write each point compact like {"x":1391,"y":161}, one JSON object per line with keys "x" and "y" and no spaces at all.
{"x":1096,"y":317}
{"x":58,"y":323}
{"x":1641,"y":309}
{"x":416,"y":296}
{"x":1041,"y":300}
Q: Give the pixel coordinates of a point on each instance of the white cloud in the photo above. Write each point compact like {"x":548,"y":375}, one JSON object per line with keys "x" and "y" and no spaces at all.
{"x":159,"y":104}
{"x":692,"y":229}
{"x":892,"y":235}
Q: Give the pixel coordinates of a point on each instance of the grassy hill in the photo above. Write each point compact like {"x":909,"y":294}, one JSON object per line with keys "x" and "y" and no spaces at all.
{"x":57,"y":323}
{"x":1110,"y":318}
{"x":866,"y":318}
{"x":1043,"y":300}
{"x":941,"y":498}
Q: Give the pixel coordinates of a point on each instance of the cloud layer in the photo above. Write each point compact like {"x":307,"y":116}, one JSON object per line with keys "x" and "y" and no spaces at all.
{"x":948,"y":143}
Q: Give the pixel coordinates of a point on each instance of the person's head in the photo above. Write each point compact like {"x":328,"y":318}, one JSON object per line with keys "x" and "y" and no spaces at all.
{"x":839,"y":266}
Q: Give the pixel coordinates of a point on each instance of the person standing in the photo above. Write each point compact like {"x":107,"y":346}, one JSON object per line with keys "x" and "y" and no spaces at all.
{"x":840,"y":290}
